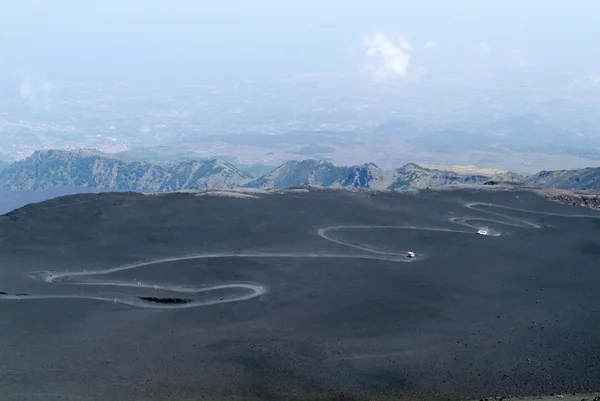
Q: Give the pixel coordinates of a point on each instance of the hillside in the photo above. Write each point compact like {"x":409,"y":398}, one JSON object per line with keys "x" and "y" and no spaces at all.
{"x":325,"y":174}
{"x":415,"y":176}
{"x":87,"y":168}
{"x":585,"y":178}
{"x":93,"y":169}
{"x":316,"y":173}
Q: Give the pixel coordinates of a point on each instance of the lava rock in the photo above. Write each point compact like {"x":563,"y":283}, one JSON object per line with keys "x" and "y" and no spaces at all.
{"x":166,"y":300}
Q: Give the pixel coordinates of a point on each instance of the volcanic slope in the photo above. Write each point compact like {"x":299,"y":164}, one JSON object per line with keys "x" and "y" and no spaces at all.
{"x":299,"y":294}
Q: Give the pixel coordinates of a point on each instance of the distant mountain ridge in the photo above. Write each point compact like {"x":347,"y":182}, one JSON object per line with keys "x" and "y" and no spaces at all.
{"x":89,"y":168}
{"x":86,"y":168}
{"x":581,"y":179}
{"x":369,"y":175}
{"x":94,"y":169}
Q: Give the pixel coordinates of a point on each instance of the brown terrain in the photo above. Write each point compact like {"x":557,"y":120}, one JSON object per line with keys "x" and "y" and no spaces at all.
{"x":562,"y":397}
{"x":572,"y":197}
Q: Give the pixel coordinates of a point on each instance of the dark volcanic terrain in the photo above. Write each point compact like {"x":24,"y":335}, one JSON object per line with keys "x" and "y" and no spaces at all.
{"x":297,"y":295}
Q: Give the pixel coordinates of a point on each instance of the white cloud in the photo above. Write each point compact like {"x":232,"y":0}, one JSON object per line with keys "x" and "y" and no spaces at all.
{"x":484,"y":47}
{"x":430,"y":45}
{"x":36,"y":91}
{"x":595,"y":79}
{"x":386,"y":58}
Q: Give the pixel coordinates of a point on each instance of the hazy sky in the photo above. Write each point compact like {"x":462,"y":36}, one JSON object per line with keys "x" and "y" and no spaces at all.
{"x":225,"y":41}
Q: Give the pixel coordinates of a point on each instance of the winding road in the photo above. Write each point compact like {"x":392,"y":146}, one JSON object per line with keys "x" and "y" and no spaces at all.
{"x":252,"y":290}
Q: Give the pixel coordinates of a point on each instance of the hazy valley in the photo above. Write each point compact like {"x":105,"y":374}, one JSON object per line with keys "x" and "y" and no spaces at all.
{"x":497,"y":123}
